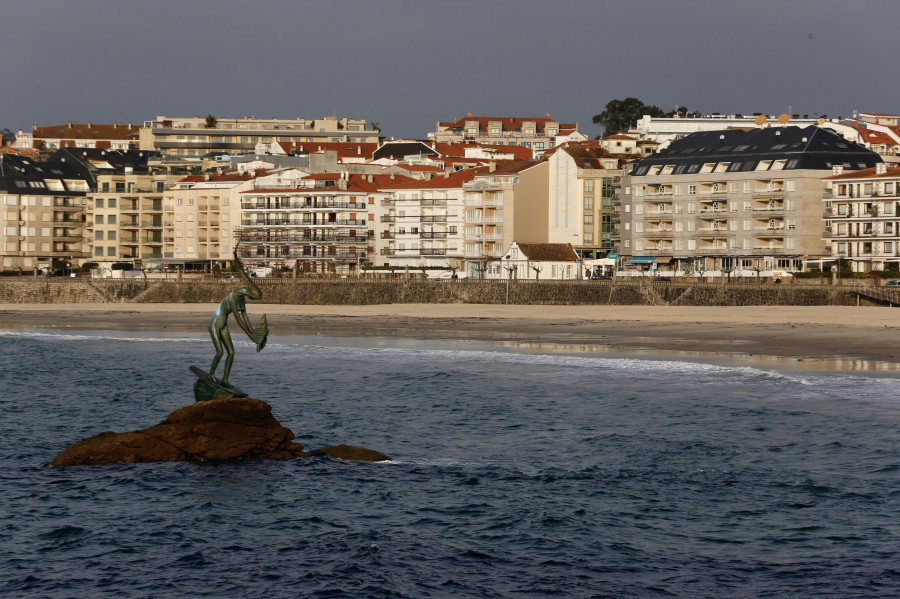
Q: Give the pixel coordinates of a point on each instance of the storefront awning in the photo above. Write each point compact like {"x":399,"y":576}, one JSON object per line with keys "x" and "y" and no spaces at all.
{"x":642,"y":259}
{"x":662,"y":259}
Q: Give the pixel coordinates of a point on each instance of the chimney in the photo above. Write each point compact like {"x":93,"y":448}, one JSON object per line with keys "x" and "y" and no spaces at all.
{"x":492,"y":166}
{"x":881,"y":168}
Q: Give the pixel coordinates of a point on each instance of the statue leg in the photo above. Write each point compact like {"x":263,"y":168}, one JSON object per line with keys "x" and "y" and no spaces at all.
{"x":216,"y":335}
{"x":229,"y":355}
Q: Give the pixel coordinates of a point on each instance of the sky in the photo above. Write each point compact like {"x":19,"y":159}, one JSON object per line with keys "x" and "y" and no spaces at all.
{"x":407,"y":64}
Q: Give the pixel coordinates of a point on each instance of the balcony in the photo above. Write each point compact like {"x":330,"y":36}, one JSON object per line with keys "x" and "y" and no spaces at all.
{"x":387,"y":218}
{"x":433,"y":235}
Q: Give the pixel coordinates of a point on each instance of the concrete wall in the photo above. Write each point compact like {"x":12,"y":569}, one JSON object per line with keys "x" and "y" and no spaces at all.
{"x":399,"y":291}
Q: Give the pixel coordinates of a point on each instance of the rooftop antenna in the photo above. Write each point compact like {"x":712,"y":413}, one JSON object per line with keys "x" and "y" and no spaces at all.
{"x":784,"y":118}
{"x":760,"y":120}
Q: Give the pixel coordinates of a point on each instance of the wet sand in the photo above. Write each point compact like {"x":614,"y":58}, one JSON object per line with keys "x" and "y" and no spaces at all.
{"x":827,"y":332}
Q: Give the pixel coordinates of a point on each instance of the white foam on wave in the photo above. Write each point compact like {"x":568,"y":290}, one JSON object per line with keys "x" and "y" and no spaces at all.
{"x":95,"y":336}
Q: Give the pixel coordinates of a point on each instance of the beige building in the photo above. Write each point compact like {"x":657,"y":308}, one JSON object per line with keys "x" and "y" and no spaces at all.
{"x":197,"y":137}
{"x":44,"y":212}
{"x":862,"y":218}
{"x":734,"y":202}
{"x":537,"y":133}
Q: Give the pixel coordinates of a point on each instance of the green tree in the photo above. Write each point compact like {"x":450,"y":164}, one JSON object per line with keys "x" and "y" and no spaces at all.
{"x":375,"y":126}
{"x":211,"y":121}
{"x":621,"y":115}
{"x":7,"y":135}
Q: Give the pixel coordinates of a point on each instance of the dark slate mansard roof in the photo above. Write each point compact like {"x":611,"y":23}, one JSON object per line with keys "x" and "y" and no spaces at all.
{"x":26,"y":170}
{"x":812,"y":147}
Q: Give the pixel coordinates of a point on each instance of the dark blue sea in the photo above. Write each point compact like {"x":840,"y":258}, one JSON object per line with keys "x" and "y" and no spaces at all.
{"x":517,"y":472}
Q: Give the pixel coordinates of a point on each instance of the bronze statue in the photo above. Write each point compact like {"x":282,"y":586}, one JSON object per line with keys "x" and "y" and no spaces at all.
{"x":208,"y":387}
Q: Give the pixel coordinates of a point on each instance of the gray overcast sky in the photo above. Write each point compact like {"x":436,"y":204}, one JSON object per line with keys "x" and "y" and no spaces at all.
{"x":407,"y":64}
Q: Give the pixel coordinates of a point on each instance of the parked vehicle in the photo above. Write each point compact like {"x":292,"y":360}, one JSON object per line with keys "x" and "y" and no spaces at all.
{"x":892,"y":283}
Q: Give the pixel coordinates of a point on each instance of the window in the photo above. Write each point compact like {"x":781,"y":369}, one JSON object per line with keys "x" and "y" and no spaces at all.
{"x":588,"y":186}
{"x":190,"y":218}
{"x":791,"y":185}
{"x":588,"y":202}
{"x":111,"y":219}
{"x":733,"y":186}
{"x":98,"y":251}
{"x":589,"y":238}
{"x":111,"y":203}
{"x":120,"y":187}
{"x":98,"y":219}
{"x":111,"y":236}
{"x":692,"y":207}
{"x":98,"y":235}
{"x":588,"y":219}
{"x":179,"y":202}
{"x":791,"y":223}
{"x":692,"y":244}
{"x":888,"y":247}
{"x":692,"y":190}
{"x":190,"y":201}
{"x":98,"y":203}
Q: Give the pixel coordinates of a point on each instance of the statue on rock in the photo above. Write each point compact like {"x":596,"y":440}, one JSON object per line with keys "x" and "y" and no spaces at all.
{"x":207,"y":386}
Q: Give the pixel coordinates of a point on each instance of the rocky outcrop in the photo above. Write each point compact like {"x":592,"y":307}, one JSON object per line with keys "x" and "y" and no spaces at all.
{"x":221,"y":429}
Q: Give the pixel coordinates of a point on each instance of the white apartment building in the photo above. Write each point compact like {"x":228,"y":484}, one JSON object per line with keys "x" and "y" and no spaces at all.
{"x":323,"y":225}
{"x":862,"y":218}
{"x":422,"y":225}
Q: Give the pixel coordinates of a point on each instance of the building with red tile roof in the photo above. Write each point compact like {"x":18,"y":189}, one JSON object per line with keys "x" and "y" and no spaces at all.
{"x":115,"y":136}
{"x":862,"y":210}
{"x":536,"y":133}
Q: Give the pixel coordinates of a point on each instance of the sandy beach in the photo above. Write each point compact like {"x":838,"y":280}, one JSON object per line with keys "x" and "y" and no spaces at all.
{"x":826,"y":332}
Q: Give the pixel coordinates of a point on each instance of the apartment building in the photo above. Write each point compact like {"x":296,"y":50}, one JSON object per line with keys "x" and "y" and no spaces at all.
{"x":324,"y":224}
{"x":733,"y":201}
{"x":44,"y":211}
{"x":491,"y":197}
{"x":862,"y":218}
{"x":583,"y":189}
{"x":423,"y":224}
{"x":537,"y":133}
{"x":196,"y":137}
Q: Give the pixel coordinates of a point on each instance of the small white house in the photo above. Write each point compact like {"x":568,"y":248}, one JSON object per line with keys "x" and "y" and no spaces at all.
{"x":539,"y":261}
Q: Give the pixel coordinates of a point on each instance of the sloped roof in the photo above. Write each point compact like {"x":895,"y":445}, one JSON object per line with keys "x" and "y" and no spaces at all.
{"x":549,"y":252}
{"x":343,"y":149}
{"x":813,"y":147}
{"x":87,"y":131}
{"x":868,"y":173}
{"x":511,"y":167}
{"x":508,"y":123}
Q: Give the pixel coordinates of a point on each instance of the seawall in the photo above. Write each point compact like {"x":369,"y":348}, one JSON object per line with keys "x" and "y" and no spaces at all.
{"x":399,"y":291}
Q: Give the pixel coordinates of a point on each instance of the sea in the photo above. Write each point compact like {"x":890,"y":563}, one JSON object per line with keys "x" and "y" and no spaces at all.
{"x":518,"y":471}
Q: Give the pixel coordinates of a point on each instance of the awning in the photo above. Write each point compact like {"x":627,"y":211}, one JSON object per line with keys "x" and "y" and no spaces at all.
{"x":662,"y":259}
{"x":642,"y":259}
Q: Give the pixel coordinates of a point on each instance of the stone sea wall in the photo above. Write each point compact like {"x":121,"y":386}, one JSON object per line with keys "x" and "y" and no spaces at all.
{"x":399,"y":291}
